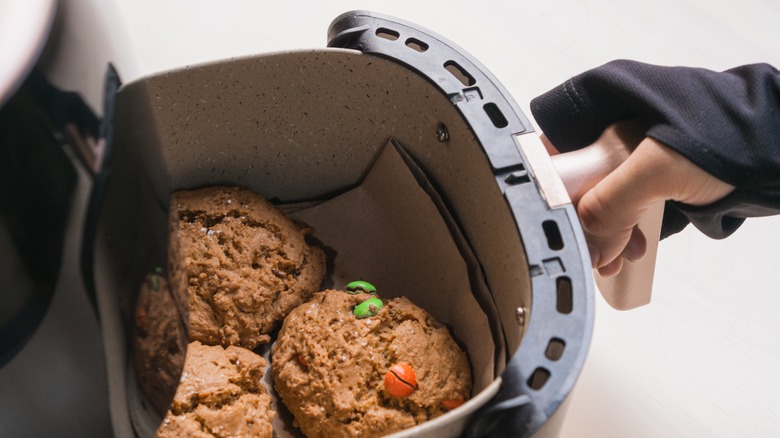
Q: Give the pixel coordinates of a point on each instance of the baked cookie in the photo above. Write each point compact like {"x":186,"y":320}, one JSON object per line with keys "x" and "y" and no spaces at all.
{"x":351,"y":364}
{"x":220,"y":395}
{"x":238,"y":265}
{"x":160,"y":341}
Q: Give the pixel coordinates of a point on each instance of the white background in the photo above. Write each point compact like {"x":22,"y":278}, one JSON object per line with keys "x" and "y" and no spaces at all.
{"x":701,"y":360}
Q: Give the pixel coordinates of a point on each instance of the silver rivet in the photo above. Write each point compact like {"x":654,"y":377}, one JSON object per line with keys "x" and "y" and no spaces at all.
{"x":520,"y":315}
{"x":442,"y":134}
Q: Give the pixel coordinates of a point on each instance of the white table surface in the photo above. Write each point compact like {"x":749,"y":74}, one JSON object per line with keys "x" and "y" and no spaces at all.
{"x":701,"y":360}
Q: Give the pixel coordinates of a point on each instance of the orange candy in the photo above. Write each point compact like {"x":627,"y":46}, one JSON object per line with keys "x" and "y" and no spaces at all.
{"x":400,"y":380}
{"x":140,"y":320}
{"x":452,"y":403}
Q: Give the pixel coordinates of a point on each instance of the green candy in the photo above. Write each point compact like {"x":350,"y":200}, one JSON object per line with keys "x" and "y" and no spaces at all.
{"x":359,"y":286}
{"x":368,"y":308}
{"x":154,"y":278}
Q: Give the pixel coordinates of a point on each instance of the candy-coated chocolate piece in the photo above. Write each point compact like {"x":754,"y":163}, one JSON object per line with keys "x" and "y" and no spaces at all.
{"x":368,"y":308}
{"x":154,"y":279}
{"x":140,"y":320}
{"x":400,"y":380}
{"x":359,"y":286}
{"x":452,"y":403}
{"x":302,"y":361}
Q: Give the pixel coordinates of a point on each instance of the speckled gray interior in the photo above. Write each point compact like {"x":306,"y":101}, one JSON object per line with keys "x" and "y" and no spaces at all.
{"x":294,"y":126}
{"x":303,"y":125}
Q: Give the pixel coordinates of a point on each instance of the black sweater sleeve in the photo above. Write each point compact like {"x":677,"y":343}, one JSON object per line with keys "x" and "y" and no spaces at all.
{"x":727,"y":123}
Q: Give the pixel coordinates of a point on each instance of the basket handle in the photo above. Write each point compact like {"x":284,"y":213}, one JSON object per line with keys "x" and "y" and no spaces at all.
{"x":579,"y":171}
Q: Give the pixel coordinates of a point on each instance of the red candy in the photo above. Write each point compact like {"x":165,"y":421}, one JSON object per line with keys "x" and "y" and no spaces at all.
{"x":400,"y":380}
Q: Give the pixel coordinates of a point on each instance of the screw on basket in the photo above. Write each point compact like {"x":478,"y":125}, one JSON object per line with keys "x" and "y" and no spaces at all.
{"x":442,"y":134}
{"x":520,"y":315}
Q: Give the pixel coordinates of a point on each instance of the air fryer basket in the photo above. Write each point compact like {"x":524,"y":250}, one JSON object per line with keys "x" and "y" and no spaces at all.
{"x":305,"y":125}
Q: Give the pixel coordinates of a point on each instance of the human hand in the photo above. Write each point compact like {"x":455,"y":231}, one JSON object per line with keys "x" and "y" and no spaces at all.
{"x":610,"y":211}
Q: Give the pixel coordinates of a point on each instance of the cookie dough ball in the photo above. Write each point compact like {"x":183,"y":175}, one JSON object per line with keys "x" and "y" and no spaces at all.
{"x":344,"y":375}
{"x":238,"y":265}
{"x":160,"y":341}
{"x":220,"y":395}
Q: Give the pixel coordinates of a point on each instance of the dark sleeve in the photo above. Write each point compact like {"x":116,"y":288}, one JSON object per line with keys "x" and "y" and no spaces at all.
{"x":727,"y":123}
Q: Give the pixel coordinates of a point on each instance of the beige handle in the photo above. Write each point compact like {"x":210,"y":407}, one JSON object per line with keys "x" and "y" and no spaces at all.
{"x":582,"y":169}
{"x":564,"y":178}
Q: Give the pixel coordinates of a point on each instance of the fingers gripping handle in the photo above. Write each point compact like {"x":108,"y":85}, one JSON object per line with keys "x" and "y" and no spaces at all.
{"x":566,"y":177}
{"x":633,"y":286}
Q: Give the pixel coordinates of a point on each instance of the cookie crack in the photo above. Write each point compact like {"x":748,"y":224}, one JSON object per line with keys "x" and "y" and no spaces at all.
{"x":210,"y":220}
{"x":207,"y":430}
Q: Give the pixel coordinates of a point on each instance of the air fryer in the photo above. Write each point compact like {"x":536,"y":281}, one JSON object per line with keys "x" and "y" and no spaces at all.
{"x":305,"y":126}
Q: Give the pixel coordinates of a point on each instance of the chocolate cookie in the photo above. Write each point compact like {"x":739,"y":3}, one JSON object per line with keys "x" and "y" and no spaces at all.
{"x":350,"y":364}
{"x":238,"y":265}
{"x":160,"y":341}
{"x":220,"y":395}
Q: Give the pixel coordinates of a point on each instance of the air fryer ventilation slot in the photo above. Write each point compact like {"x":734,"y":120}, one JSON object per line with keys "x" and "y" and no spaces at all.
{"x":553,"y":234}
{"x":555,"y":349}
{"x":460,"y":73}
{"x":564,"y":299}
{"x":496,"y":116}
{"x":416,"y":44}
{"x":538,"y":378}
{"x":387,"y":34}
